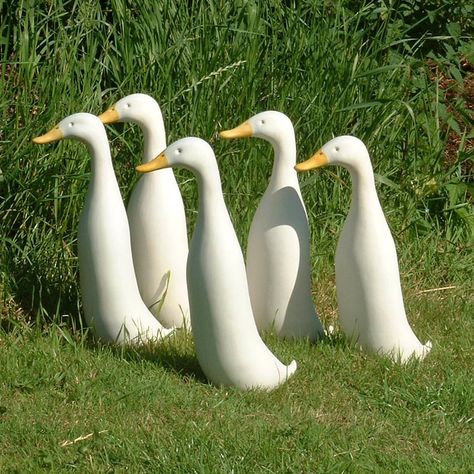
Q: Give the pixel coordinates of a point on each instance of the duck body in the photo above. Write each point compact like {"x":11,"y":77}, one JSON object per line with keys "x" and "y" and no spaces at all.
{"x":160,"y":247}
{"x":158,"y":232}
{"x":228,"y":346}
{"x":369,"y":294}
{"x":278,"y":249}
{"x":111,"y":299}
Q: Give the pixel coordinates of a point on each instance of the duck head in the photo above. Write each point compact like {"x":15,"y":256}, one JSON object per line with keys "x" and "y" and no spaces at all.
{"x":272,"y":126}
{"x":191,"y":153}
{"x":81,"y":126}
{"x":136,"y":108}
{"x":346,"y":150}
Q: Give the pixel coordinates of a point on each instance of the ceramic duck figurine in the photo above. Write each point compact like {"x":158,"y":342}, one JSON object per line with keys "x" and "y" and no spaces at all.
{"x":158,"y":232}
{"x":112,"y":303}
{"x":228,"y":346}
{"x":278,"y":249}
{"x":369,"y":294}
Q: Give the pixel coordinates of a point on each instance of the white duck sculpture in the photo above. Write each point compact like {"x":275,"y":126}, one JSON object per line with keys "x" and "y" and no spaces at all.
{"x":158,"y":232}
{"x":228,"y":346}
{"x":369,"y":294}
{"x":112,"y":303}
{"x":278,"y":249}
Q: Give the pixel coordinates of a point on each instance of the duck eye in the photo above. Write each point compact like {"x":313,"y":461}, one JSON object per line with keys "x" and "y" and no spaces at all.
{"x":178,"y":151}
{"x":71,"y":124}
{"x":128,"y":105}
{"x":262,"y":122}
{"x":337,"y":148}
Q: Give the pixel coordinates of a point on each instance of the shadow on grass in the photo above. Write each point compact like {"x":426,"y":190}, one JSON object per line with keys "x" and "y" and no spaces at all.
{"x":338,"y":340}
{"x":335,"y":339}
{"x":175,"y":353}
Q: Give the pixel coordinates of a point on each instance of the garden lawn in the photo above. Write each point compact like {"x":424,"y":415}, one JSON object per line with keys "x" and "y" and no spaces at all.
{"x":69,"y":404}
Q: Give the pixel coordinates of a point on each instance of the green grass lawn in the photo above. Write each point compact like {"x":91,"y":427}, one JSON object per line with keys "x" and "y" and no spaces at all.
{"x":399,"y":75}
{"x":68,"y":404}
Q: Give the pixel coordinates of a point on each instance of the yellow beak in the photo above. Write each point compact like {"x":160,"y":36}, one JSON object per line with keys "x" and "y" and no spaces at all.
{"x":317,"y":160}
{"x":156,"y":164}
{"x":53,"y":135}
{"x":242,"y":131}
{"x":109,"y":116}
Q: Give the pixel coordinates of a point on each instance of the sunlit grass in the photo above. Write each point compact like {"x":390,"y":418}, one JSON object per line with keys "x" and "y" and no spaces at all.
{"x":68,"y":403}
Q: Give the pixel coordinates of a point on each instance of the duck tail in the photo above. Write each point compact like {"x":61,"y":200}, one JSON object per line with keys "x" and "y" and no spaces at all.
{"x":291,"y":369}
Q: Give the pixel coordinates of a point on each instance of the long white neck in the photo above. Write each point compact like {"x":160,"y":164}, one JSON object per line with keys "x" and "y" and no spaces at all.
{"x":283,"y":172}
{"x":211,"y":198}
{"x":102,"y":168}
{"x":363,"y":184}
{"x":154,"y":137}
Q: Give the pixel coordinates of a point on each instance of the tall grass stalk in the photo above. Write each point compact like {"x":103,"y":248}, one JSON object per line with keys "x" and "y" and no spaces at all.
{"x":211,"y":65}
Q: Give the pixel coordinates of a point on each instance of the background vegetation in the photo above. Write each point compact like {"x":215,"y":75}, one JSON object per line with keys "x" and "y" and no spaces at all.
{"x":398,"y":74}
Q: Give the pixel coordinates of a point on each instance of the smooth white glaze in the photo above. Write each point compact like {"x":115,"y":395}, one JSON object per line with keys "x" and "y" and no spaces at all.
{"x":157,"y":221}
{"x":228,"y":346}
{"x":112,"y":303}
{"x":369,"y":293}
{"x":278,"y":249}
